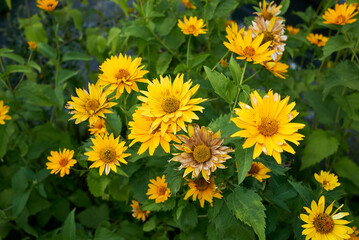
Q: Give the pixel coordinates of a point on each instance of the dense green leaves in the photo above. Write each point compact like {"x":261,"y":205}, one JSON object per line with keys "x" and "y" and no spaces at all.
{"x":244,"y":161}
{"x":69,"y":228}
{"x":348,"y":169}
{"x":335,"y":44}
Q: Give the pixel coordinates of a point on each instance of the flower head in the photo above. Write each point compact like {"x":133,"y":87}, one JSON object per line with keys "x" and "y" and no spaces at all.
{"x":205,"y":191}
{"x":317,"y":39}
{"x":341,"y":14}
{"x":258,"y":171}
{"x":202,"y":152}
{"x":158,"y":190}
{"x":269,"y":11}
{"x":320,"y":224}
{"x":61,"y":161}
{"x":292,"y":30}
{"x":277,"y":68}
{"x":188,"y":4}
{"x":32,"y":45}
{"x":107,"y":153}
{"x":137,"y":212}
{"x":3,"y":113}
{"x":120,"y":73}
{"x":328,"y":180}
{"x":192,"y":26}
{"x":47,"y":5}
{"x":267,"y":125}
{"x":89,"y":105}
{"x":99,"y":127}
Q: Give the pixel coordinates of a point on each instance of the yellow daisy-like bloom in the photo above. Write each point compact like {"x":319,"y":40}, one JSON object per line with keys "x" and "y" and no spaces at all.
{"x":267,"y":125}
{"x":47,"y":5}
{"x":354,"y":235}
{"x":292,"y":30}
{"x":250,"y":49}
{"x":3,"y":113}
{"x":269,"y":11}
{"x":170,"y":103}
{"x":328,"y":180}
{"x":317,"y":39}
{"x":341,"y":14}
{"x":277,"y":68}
{"x":158,"y":190}
{"x":192,"y":26}
{"x":258,"y":171}
{"x":205,"y":191}
{"x":121,"y":73}
{"x":99,"y":127}
{"x":32,"y":45}
{"x":140,"y":132}
{"x":320,"y":224}
{"x":89,"y":105}
{"x":202,"y":152}
{"x":137,"y":212}
{"x":188,"y":4}
{"x":61,"y":161}
{"x":107,"y":152}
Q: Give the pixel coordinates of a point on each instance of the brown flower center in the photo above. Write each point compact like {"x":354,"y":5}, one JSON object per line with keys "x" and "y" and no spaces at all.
{"x":249,"y":51}
{"x":201,"y":184}
{"x":254,"y":169}
{"x":341,"y":19}
{"x":92,"y":105}
{"x":268,"y":37}
{"x":49,"y":5}
{"x":201,"y":153}
{"x":108,"y":155}
{"x":63,"y":162}
{"x":162,"y":191}
{"x":268,"y":127}
{"x":122,"y":74}
{"x":191,"y":28}
{"x":323,"y":223}
{"x":170,"y":104}
{"x":267,"y":16}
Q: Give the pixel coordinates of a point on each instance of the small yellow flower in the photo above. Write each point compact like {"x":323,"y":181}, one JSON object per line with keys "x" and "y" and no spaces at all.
{"x":341,"y":15}
{"x":158,"y":190}
{"x":277,"y":68}
{"x":137,"y":212}
{"x":99,"y":127}
{"x":224,"y":63}
{"x":292,"y":30}
{"x":61,"y":161}
{"x":317,"y":39}
{"x":328,"y":180}
{"x":192,"y":26}
{"x":47,"y":5}
{"x":188,"y":4}
{"x":258,"y":171}
{"x":205,"y":191}
{"x":32,"y":45}
{"x":3,"y":113}
{"x":269,"y":11}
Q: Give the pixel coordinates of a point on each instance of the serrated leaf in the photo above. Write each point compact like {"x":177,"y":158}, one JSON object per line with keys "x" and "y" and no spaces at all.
{"x":97,"y":185}
{"x":69,"y":228}
{"x":305,"y":193}
{"x":335,"y":44}
{"x":347,"y":168}
{"x":173,"y":177}
{"x":244,"y":160}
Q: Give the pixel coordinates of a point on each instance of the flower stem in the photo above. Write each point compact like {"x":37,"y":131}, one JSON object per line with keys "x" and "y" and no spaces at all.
{"x":224,"y":56}
{"x":239,"y":88}
{"x":22,"y":77}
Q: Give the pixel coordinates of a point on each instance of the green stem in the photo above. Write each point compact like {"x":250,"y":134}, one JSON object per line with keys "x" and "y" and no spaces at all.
{"x":22,"y":77}
{"x":250,"y":77}
{"x":239,"y":88}
{"x":188,"y":54}
{"x":354,"y":51}
{"x":224,"y":56}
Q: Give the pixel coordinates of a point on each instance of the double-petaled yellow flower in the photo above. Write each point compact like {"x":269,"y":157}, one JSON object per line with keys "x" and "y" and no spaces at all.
{"x":158,"y":190}
{"x":192,"y":26}
{"x":317,"y":39}
{"x":205,"y":191}
{"x":61,"y":161}
{"x":341,"y":14}
{"x":328,"y":180}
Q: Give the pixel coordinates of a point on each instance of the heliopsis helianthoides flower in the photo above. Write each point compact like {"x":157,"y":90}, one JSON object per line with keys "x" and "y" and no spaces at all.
{"x":188,"y":4}
{"x":354,"y":235}
{"x":267,"y":125}
{"x":320,"y":224}
{"x":292,"y":30}
{"x":250,"y":49}
{"x":137,"y":212}
{"x":192,"y":26}
{"x":32,"y":45}
{"x":328,"y":180}
{"x":232,"y":31}
{"x":140,"y":132}
{"x":277,"y":68}
{"x":269,"y":10}
{"x":258,"y":171}
{"x":317,"y":39}
{"x":99,"y":127}
{"x":170,"y":103}
{"x":61,"y":161}
{"x":107,"y":153}
{"x":121,"y":73}
{"x":202,"y":152}
{"x":3,"y":113}
{"x":91,"y":104}
{"x":158,"y":190}
{"x":273,"y":31}
{"x":205,"y":191}
{"x":341,"y":14}
{"x":47,"y":5}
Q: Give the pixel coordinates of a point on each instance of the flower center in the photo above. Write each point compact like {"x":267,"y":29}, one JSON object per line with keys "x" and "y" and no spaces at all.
{"x":340,"y":19}
{"x":325,"y":183}
{"x":108,"y":155}
{"x":323,"y":223}
{"x":191,"y":28}
{"x":267,"y":16}
{"x":201,"y":184}
{"x":122,"y":74}
{"x":268,"y":127}
{"x":49,"y":5}
{"x":268,"y":37}
{"x":162,"y":191}
{"x":170,"y":104}
{"x":201,"y":153}
{"x":92,"y":105}
{"x":63,"y":162}
{"x":249,"y":51}
{"x":254,"y":169}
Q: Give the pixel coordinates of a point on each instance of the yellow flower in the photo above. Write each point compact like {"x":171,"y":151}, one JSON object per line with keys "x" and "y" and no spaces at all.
{"x":229,"y":23}
{"x":328,"y":180}
{"x":354,"y":235}
{"x":320,"y":224}
{"x":205,"y":191}
{"x":341,"y":15}
{"x":137,"y":212}
{"x":188,"y":4}
{"x":89,"y":105}
{"x":292,"y":30}
{"x":232,"y":31}
{"x":258,"y":171}
{"x":317,"y":39}
{"x":250,"y":49}
{"x":267,"y":125}
{"x":140,"y":132}
{"x":32,"y":45}
{"x":158,"y":190}
{"x":106,"y":153}
{"x":121,"y":73}
{"x":224,"y":63}
{"x":98,"y":127}
{"x":3,"y":111}
{"x":202,"y":152}
{"x":61,"y":161}
{"x":277,"y":68}
{"x":192,"y":26}
{"x":269,"y":11}
{"x":170,"y":103}
{"x":47,"y":5}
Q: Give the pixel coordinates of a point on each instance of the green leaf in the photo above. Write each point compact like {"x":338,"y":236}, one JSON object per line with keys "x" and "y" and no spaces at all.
{"x":285,"y":5}
{"x":246,"y":205}
{"x":198,"y":59}
{"x":8,"y":3}
{"x":226,"y":126}
{"x":34,"y":65}
{"x":163,"y":62}
{"x":76,"y":16}
{"x":13,"y":56}
{"x":38,"y":94}
{"x":173,"y":177}
{"x":225,"y":8}
{"x":305,"y":193}
{"x":47,"y":51}
{"x":65,"y":74}
{"x":106,"y":234}
{"x":347,"y":168}
{"x":93,"y":216}
{"x":69,"y":228}
{"x":222,"y":85}
{"x":319,"y":145}
{"x":68,"y":56}
{"x":123,"y":5}
{"x":113,"y":120}
{"x":150,"y":224}
{"x":97,"y":184}
{"x":18,"y":68}
{"x":244,"y":160}
{"x":113,"y":34}
{"x":335,"y":44}
{"x":36,"y":33}
{"x":235,"y":69}
{"x":165,"y":25}
{"x":188,"y":219}
{"x":19,"y":201}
